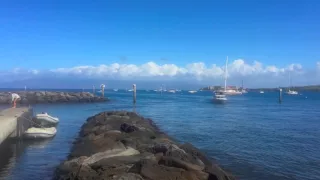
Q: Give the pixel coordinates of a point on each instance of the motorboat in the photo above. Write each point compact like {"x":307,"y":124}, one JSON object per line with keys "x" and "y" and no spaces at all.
{"x":172,"y":91}
{"x":261,"y":92}
{"x":40,"y":133}
{"x":220,"y":96}
{"x":115,"y":89}
{"x":45,"y":118}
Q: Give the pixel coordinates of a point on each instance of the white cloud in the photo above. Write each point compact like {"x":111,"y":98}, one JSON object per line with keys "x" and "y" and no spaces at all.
{"x":198,"y":71}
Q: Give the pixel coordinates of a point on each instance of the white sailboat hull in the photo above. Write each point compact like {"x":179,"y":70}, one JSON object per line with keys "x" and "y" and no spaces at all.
{"x":233,"y":93}
{"x":220,"y":97}
{"x":192,"y":92}
{"x":292,"y":93}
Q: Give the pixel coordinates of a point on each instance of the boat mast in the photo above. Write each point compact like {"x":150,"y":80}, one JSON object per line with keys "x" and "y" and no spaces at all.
{"x":225,"y":78}
{"x":242,"y":85}
{"x":290,"y":80}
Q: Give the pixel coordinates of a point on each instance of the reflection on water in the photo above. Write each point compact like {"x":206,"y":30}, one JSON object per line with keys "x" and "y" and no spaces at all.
{"x":37,"y":144}
{"x":11,"y":150}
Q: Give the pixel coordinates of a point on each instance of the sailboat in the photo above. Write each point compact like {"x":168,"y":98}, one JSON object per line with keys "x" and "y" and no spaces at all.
{"x":220,"y":95}
{"x":243,"y":91}
{"x":229,"y":91}
{"x":291,"y":92}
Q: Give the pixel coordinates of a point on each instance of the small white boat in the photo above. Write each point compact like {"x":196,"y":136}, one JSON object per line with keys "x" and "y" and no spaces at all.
{"x":243,"y":91}
{"x":115,"y":89}
{"x":192,"y":92}
{"x":220,"y":97}
{"x":35,"y":133}
{"x":261,"y":92}
{"x":292,"y":92}
{"x":45,"y":118}
{"x":172,"y":91}
{"x":130,"y":90}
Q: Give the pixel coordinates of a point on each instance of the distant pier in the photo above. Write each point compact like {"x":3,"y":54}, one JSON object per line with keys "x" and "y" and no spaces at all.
{"x":14,"y":122}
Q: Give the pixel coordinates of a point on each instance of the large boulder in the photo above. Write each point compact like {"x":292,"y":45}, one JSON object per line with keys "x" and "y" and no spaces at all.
{"x":128,"y":176}
{"x":5,"y":99}
{"x":24,"y":101}
{"x":89,"y":147}
{"x":154,"y":171}
{"x":71,"y":98}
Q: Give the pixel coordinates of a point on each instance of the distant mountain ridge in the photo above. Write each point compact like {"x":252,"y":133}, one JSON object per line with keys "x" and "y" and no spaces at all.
{"x":296,"y":88}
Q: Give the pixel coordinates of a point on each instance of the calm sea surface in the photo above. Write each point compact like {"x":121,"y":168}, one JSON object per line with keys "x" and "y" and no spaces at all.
{"x":252,"y":136}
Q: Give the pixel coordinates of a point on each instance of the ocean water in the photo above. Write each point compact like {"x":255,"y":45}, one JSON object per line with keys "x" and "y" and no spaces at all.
{"x":251,"y":136}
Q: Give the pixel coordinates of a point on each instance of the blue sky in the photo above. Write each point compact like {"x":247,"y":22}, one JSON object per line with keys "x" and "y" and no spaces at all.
{"x":46,"y":35}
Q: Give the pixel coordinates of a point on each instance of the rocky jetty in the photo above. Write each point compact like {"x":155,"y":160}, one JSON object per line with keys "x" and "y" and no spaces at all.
{"x":38,"y":97}
{"x":125,"y":146}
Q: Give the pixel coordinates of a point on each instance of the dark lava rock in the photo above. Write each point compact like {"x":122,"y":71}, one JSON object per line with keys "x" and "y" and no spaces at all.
{"x":129,"y":176}
{"x":90,"y":147}
{"x":189,"y":148}
{"x":128,"y":128}
{"x":121,"y":145}
{"x":154,"y":171}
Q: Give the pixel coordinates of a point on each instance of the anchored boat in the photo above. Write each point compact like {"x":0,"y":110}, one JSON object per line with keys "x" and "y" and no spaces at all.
{"x":291,"y":92}
{"x":40,"y":133}
{"x":220,"y":97}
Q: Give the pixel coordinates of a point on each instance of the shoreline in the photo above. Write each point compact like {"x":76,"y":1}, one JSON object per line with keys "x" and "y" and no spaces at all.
{"x":51,"y":97}
{"x":124,"y":145}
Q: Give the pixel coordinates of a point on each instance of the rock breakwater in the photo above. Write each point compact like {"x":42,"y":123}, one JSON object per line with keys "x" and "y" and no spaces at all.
{"x":125,"y":146}
{"x":39,"y":97}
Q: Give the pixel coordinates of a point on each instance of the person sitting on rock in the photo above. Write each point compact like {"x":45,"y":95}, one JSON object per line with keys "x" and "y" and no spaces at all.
{"x":15,"y":98}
